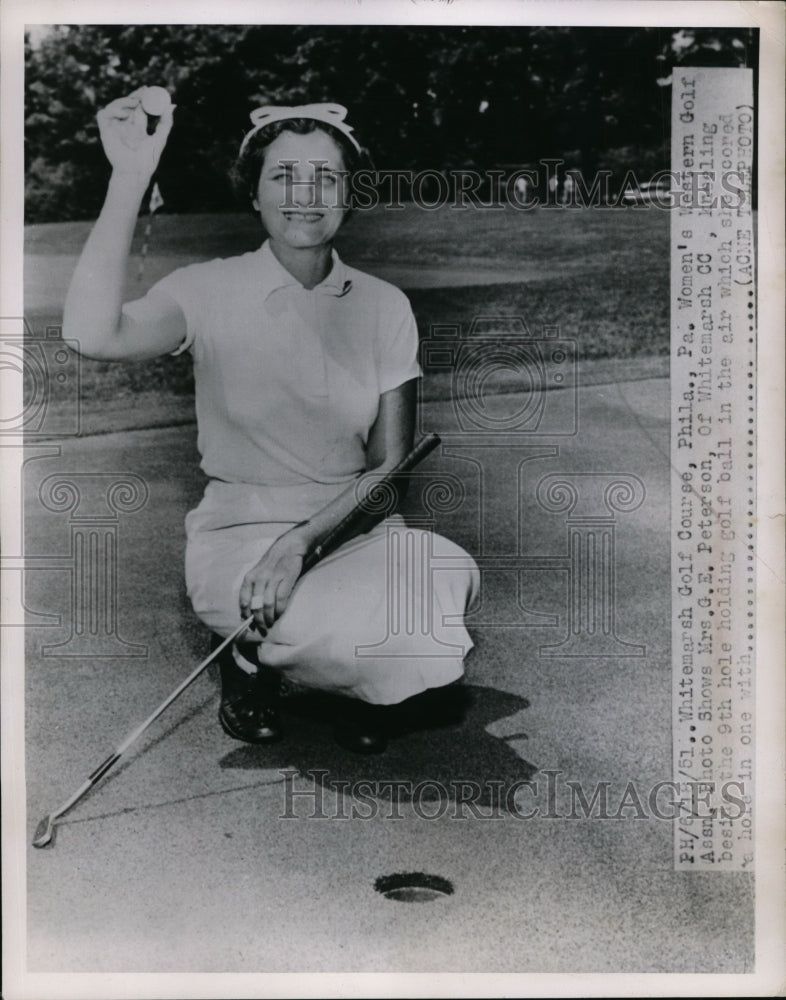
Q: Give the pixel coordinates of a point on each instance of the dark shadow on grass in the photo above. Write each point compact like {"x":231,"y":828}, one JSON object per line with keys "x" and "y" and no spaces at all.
{"x":438,"y":739}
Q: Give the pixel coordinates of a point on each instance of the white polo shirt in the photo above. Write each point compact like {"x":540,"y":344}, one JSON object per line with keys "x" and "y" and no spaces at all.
{"x":288,"y":379}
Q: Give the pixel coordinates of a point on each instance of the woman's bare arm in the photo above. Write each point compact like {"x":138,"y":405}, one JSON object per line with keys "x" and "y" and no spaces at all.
{"x":94,"y":315}
{"x":390,"y":440}
{"x":267,"y":587}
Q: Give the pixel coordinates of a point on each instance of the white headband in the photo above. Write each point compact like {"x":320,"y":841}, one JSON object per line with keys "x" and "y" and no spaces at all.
{"x":330,"y":114}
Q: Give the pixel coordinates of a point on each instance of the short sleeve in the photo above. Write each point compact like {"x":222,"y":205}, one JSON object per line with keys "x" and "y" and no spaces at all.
{"x":399,"y":349}
{"x":186,"y":288}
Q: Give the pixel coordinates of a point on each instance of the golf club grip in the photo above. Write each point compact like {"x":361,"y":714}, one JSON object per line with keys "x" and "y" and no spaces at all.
{"x":347,"y":527}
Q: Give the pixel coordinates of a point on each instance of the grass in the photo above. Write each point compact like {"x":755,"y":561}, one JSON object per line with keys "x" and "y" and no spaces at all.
{"x":601,"y":276}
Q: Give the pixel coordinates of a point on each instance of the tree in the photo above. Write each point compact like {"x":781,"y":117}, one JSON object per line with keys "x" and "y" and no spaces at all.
{"x":420,"y":97}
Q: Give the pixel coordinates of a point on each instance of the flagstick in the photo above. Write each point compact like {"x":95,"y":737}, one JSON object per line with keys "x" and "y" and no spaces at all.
{"x":156,"y":201}
{"x":145,"y":243}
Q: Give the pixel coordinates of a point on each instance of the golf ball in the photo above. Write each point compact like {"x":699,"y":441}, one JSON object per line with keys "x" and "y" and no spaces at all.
{"x":155,"y":101}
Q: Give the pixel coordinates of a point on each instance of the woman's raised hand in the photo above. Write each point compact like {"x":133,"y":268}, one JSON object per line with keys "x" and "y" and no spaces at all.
{"x":123,"y":128}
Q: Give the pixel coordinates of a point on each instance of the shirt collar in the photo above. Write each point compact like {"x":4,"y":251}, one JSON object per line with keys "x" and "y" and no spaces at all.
{"x":274,"y":275}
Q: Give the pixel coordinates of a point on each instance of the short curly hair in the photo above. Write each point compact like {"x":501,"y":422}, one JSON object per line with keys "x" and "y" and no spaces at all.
{"x":248,"y":165}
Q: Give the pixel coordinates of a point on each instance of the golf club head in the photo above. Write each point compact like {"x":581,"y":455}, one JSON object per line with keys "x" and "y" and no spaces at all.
{"x":44,"y":835}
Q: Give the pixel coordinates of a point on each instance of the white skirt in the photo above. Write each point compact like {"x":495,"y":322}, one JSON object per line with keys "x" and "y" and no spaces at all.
{"x":379,"y":619}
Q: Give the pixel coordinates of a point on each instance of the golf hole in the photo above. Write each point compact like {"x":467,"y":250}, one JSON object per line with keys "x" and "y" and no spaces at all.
{"x":413,"y":887}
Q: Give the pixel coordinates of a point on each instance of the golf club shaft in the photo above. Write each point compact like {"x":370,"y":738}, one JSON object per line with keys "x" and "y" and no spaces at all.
{"x":132,"y":737}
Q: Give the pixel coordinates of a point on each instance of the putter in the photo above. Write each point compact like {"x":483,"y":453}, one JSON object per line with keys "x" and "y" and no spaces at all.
{"x":45,"y":831}
{"x":359,"y":516}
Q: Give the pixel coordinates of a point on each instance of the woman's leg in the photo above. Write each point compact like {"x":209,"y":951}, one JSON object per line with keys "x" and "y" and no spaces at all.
{"x":381,"y":619}
{"x":378,"y":621}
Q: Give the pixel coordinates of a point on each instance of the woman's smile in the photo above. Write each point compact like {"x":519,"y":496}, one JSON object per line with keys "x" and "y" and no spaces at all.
{"x":303,"y":216}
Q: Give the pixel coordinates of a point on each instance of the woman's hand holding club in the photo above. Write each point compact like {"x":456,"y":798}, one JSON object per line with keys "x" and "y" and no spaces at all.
{"x":266,"y":588}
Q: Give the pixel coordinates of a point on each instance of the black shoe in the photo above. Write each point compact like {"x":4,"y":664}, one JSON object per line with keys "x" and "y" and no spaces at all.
{"x":363,"y":728}
{"x":249,"y":702}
